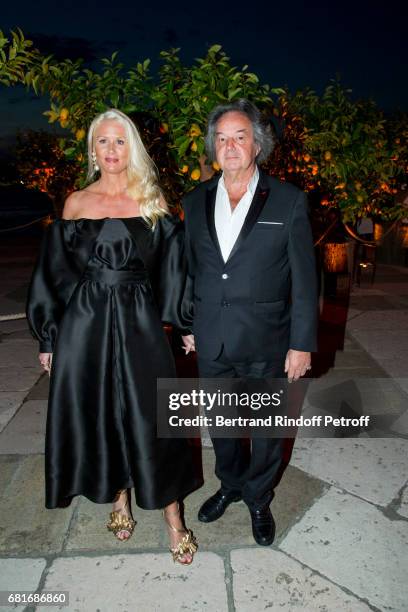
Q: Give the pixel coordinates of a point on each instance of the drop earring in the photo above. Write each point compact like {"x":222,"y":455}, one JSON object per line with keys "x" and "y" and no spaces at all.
{"x":95,"y":165}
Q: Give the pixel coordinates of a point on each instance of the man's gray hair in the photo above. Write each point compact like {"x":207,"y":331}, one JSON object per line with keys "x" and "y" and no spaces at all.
{"x":263,"y":135}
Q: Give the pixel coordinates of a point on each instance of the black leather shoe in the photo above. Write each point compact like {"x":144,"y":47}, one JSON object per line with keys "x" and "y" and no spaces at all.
{"x":215,"y":506}
{"x":263,"y":526}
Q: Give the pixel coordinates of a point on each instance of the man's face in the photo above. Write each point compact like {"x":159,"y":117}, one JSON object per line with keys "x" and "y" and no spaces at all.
{"x":234,"y":142}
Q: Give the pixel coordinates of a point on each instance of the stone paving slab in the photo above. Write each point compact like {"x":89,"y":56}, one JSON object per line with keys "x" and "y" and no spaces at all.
{"x":396,"y":288}
{"x":350,"y":345}
{"x":374,"y":301}
{"x":14,"y":287}
{"x":382,"y":395}
{"x":352,"y":360}
{"x":357,"y":291}
{"x":8,"y":327}
{"x":352,"y":313}
{"x":11,"y":306}
{"x":18,"y":294}
{"x":295,"y":494}
{"x":402,"y":508}
{"x":40,"y":390}
{"x":9,"y":465}
{"x":400,"y":425}
{"x":144,"y":582}
{"x":402,"y":381}
{"x":9,"y":404}
{"x":21,"y":335}
{"x":25,"y":434}
{"x":355,"y":373}
{"x":26,"y":526}
{"x":270,"y":580}
{"x":352,"y":395}
{"x":20,"y":575}
{"x":380,"y":320}
{"x":348,"y":359}
{"x":374,"y":469}
{"x":18,"y":352}
{"x":88,"y":531}
{"x":82,"y":526}
{"x":18,"y":379}
{"x":383,"y":346}
{"x":396,"y":366}
{"x":354,"y":545}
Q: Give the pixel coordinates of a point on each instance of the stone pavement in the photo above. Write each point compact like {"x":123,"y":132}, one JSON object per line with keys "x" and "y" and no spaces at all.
{"x":341,"y":508}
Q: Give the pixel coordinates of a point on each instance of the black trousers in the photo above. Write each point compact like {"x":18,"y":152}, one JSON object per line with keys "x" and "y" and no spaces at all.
{"x":253,"y":470}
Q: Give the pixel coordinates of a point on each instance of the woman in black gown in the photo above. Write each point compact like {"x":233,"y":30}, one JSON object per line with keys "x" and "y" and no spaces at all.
{"x":109,"y":272}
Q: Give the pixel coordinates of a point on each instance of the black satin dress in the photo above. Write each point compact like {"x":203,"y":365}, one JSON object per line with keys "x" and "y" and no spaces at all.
{"x":99,"y":293}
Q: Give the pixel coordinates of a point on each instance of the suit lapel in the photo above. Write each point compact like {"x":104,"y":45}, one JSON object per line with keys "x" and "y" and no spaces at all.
{"x":210,"y":213}
{"x":257,"y":204}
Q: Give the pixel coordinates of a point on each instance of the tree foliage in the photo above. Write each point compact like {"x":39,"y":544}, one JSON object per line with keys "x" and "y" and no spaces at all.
{"x":43,"y":166}
{"x":185,"y":97}
{"x":342,"y":150}
{"x":345,"y":150}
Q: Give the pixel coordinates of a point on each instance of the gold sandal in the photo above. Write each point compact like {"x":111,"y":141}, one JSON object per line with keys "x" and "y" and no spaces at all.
{"x":188,"y":545}
{"x":121,"y":522}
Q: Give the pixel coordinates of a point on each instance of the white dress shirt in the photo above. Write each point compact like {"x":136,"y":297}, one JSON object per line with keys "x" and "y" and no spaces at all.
{"x":228,"y":223}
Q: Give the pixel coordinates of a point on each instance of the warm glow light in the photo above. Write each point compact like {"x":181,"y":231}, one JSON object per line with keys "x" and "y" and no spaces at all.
{"x":404,"y":234}
{"x":378,"y":232}
{"x":335,"y":257}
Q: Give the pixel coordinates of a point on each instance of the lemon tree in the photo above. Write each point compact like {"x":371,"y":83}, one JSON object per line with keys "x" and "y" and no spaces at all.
{"x":76,"y":92}
{"x":179,"y":101}
{"x":345,"y":150}
{"x":186,"y":96}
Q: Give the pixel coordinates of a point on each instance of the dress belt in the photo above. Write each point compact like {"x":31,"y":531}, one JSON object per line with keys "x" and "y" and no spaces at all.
{"x":115,"y":277}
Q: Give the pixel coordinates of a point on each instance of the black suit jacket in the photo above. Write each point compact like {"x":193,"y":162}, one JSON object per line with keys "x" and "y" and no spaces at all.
{"x":263,"y":299}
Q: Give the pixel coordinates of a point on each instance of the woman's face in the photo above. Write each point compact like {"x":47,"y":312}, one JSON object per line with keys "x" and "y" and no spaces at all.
{"x":111,"y":146}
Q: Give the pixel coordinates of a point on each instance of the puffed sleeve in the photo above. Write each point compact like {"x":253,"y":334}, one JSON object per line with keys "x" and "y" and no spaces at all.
{"x":54,"y":278}
{"x":173,"y":278}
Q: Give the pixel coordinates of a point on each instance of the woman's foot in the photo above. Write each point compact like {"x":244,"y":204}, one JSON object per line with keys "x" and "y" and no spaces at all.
{"x":183,"y":544}
{"x":121,"y":522}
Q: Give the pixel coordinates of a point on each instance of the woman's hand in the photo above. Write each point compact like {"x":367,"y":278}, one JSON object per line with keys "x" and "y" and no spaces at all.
{"x":46,"y":361}
{"x":188,"y":342}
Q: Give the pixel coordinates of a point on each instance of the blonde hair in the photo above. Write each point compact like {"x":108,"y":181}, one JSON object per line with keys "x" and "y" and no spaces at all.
{"x":143,"y":183}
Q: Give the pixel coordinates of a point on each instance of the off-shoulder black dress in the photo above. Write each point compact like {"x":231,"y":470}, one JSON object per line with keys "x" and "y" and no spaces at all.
{"x":99,"y":294}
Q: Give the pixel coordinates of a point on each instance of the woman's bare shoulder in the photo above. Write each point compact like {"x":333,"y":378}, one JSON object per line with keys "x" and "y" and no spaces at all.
{"x":75,"y":203}
{"x":71,"y":205}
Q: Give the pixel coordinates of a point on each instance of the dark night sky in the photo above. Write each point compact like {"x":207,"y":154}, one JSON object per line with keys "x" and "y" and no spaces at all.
{"x":289,"y":43}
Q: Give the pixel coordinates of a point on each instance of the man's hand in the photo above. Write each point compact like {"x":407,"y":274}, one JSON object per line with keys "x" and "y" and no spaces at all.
{"x":297,"y":363}
{"x":46,"y":361}
{"x":188,"y":342}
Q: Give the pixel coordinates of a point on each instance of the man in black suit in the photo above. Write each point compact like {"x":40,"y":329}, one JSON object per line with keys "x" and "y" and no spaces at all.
{"x":252,"y":269}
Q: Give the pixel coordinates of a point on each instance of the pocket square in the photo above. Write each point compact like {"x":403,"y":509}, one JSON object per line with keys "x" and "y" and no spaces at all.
{"x":271,"y":222}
